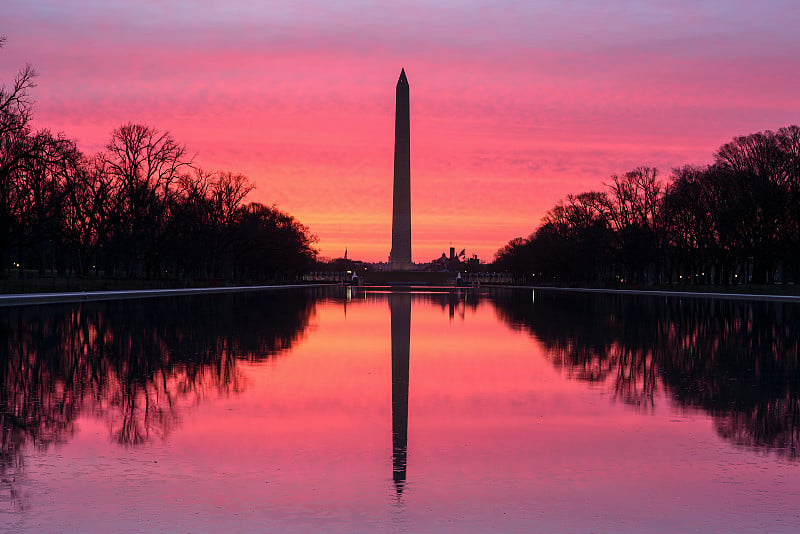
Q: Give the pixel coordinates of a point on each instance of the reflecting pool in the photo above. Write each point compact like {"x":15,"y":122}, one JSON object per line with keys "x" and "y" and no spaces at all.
{"x":369,"y":410}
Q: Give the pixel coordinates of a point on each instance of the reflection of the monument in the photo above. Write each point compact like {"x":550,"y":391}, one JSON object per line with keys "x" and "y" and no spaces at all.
{"x":400,"y":299}
{"x":134,"y":364}
{"x":735,"y":359}
{"x":400,"y":308}
{"x":400,"y":302}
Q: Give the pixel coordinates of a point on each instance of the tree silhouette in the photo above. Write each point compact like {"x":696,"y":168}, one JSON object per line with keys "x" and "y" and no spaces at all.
{"x":735,"y":221}
{"x":16,"y":103}
{"x":15,"y":112}
{"x":145,"y":163}
{"x":138,"y":209}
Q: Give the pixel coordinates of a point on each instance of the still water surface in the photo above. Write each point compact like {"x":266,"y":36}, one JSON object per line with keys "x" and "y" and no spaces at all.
{"x":345,"y":410}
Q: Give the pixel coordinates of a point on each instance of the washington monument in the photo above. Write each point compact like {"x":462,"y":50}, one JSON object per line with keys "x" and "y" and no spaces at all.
{"x":400,"y":256}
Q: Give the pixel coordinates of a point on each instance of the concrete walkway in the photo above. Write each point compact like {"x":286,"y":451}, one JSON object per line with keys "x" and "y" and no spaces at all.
{"x":664,"y":293}
{"x":22,"y":299}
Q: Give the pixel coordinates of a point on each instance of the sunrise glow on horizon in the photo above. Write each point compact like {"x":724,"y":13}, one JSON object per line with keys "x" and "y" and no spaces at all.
{"x":513,"y":105}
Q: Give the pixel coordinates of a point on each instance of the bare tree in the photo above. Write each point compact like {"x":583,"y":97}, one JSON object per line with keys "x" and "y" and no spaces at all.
{"x":789,"y":141}
{"x":146,"y":164}
{"x":228,"y":191}
{"x":755,"y":169}
{"x":16,"y":102}
{"x":15,"y":112}
{"x":91,"y":210}
{"x":635,"y":199}
{"x":146,"y":160}
{"x":42,"y":189}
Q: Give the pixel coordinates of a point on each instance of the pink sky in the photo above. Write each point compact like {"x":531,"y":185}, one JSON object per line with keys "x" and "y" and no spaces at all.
{"x":513,"y":105}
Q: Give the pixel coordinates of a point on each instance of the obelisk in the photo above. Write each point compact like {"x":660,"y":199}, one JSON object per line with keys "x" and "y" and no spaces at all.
{"x":401,"y":212}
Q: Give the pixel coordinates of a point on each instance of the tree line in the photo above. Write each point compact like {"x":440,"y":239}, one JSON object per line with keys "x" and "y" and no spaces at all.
{"x":140,"y":208}
{"x":734,"y":221}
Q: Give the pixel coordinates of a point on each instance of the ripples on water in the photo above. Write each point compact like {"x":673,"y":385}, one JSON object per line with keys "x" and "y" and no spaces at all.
{"x":350,"y":410}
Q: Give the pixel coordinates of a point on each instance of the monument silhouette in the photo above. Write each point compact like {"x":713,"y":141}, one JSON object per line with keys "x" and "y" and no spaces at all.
{"x":400,"y":256}
{"x":401,"y":269}
{"x":400,"y":311}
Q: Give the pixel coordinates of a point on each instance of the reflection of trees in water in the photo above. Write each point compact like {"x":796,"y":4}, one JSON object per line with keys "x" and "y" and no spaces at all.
{"x":454,"y":301}
{"x":130,"y":363}
{"x":738,"y":360}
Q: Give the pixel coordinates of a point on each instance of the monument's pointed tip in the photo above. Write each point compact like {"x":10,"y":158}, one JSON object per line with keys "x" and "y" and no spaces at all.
{"x":402,"y":75}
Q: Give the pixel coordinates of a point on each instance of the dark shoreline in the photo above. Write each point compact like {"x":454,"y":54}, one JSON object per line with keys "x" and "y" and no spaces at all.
{"x":47,"y":291}
{"x":745,"y":293}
